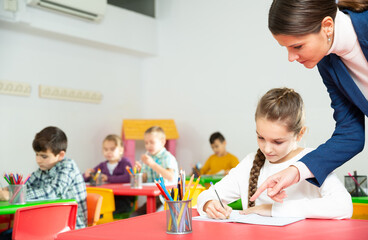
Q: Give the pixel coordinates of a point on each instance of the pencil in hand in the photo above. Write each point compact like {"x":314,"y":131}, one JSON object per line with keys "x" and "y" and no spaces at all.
{"x":227,"y":217}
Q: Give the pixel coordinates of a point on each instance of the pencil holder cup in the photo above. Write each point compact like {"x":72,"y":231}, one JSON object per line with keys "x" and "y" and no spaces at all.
{"x":95,"y":180}
{"x":356,"y":185}
{"x":136,"y":180}
{"x":17,"y":194}
{"x":179,"y":217}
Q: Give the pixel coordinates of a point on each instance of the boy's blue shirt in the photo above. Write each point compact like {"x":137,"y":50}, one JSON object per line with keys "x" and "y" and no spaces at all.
{"x":63,"y":181}
{"x":350,"y":108}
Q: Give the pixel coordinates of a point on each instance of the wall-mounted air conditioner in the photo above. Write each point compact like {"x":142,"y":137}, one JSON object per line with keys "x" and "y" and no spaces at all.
{"x":88,"y":9}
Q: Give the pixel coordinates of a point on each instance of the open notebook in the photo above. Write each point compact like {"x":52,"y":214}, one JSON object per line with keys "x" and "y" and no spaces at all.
{"x":235,"y":216}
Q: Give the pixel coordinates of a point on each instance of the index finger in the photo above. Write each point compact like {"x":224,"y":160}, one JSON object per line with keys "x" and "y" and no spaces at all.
{"x":260,"y":190}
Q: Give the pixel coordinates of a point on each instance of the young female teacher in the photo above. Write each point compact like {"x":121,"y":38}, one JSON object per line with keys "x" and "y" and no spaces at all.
{"x":334,"y":37}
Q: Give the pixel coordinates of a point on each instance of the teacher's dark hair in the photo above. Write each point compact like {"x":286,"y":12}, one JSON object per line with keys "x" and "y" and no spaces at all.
{"x":300,"y":17}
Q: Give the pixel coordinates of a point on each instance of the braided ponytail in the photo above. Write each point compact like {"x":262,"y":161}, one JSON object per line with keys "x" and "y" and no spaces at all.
{"x":258,"y":163}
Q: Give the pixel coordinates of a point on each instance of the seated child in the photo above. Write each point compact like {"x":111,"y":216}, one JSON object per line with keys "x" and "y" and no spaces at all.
{"x":279,"y":127}
{"x":57,"y":176}
{"x":113,"y":170}
{"x":157,"y":161}
{"x":221,"y":160}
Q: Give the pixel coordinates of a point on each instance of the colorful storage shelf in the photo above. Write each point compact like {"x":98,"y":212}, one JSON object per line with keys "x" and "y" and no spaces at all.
{"x":133,"y":129}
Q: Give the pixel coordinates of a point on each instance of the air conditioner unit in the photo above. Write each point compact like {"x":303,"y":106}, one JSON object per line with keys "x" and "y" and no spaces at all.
{"x":88,"y":9}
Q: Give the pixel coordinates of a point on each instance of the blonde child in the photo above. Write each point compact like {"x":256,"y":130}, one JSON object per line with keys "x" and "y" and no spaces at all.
{"x":157,"y":161}
{"x":221,"y":160}
{"x":113,"y":170}
{"x":279,"y":126}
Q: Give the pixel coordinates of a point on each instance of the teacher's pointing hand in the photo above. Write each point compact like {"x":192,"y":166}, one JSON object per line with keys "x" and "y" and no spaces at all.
{"x":276,"y":184}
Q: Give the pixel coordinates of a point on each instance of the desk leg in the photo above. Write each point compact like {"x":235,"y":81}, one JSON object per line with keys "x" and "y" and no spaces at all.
{"x":151,"y":204}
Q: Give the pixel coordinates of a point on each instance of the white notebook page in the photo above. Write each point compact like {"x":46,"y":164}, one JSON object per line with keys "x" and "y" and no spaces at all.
{"x":235,"y":216}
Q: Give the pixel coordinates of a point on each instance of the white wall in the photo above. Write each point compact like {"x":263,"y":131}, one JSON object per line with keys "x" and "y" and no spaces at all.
{"x":31,"y":55}
{"x":215,"y":60}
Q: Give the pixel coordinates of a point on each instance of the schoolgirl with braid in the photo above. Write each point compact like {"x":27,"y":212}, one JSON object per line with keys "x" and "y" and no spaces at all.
{"x":279,"y":126}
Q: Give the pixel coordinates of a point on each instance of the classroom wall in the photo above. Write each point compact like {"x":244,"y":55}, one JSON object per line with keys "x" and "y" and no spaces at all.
{"x":32,"y":55}
{"x":216,"y":60}
{"x":213,"y":61}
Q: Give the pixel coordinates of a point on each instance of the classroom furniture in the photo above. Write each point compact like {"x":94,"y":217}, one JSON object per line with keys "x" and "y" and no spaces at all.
{"x":94,"y":203}
{"x":153,"y":226}
{"x":360,"y":199}
{"x":44,"y":222}
{"x":360,"y":208}
{"x":237,"y":205}
{"x":197,"y":191}
{"x":108,"y":203}
{"x":149,"y":190}
{"x":6,"y":208}
{"x":207,"y":179}
{"x":6,"y":221}
{"x":133,"y":129}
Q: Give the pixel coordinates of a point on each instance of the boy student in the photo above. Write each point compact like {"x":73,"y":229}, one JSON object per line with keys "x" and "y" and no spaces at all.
{"x":221,"y":159}
{"x":157,"y":161}
{"x":57,"y":176}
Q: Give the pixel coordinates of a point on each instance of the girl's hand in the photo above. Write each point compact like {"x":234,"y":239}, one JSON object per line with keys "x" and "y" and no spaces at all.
{"x":147,"y":160}
{"x":4,"y":194}
{"x":104,"y":177}
{"x":264,"y":210}
{"x":88,"y":172}
{"x":214,"y":210}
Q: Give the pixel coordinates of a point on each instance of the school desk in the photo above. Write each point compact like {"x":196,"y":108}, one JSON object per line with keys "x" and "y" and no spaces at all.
{"x":207,"y":179}
{"x":124,"y":189}
{"x":153,"y":226}
{"x":6,"y":208}
{"x":360,"y":208}
{"x":360,"y":200}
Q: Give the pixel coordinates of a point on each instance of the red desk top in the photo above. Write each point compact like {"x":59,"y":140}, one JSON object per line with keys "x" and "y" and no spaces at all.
{"x":153,"y":226}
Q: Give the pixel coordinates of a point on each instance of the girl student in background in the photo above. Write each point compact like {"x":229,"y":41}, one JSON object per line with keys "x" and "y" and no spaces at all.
{"x":332,"y":35}
{"x":279,"y":127}
{"x":113,"y":170}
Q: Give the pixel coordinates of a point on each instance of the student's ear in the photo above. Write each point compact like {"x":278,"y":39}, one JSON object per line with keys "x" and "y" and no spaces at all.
{"x":163,"y":141}
{"x":301,"y":133}
{"x":121,"y":150}
{"x":61,"y":155}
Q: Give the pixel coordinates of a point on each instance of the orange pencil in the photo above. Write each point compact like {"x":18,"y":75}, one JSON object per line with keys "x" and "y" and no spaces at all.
{"x":129,"y":171}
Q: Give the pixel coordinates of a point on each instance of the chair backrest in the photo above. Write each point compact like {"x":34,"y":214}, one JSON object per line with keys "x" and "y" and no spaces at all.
{"x":108,"y":203}
{"x":43,"y":222}
{"x":5,"y":221}
{"x":94,"y":203}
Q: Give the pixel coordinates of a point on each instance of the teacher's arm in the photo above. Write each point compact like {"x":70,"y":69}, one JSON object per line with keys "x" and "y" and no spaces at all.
{"x":348,"y":138}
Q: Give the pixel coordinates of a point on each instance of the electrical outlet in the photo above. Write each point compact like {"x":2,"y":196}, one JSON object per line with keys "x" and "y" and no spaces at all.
{"x":69,"y":94}
{"x":11,"y":5}
{"x":15,"y":88}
